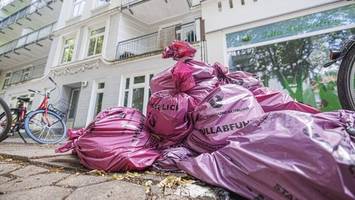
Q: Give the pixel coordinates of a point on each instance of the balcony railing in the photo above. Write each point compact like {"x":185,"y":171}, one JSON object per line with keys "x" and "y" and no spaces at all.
{"x":4,"y":3}
{"x":33,"y":7}
{"x":130,"y":3}
{"x":155,"y":42}
{"x":23,"y":75}
{"x":27,"y":39}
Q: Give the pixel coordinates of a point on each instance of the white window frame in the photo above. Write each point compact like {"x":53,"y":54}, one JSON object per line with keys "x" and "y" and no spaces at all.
{"x":67,"y":46}
{"x":133,"y":86}
{"x":96,"y":36}
{"x":99,"y":91}
{"x":78,"y":7}
{"x":7,"y":79}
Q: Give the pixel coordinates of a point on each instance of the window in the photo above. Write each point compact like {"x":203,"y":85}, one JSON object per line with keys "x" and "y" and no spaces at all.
{"x":78,"y":7}
{"x":68,"y":50}
{"x":99,"y":97}
{"x":231,"y":3}
{"x":295,"y":66}
{"x":7,"y":80}
{"x":136,"y":91}
{"x":26,"y":74}
{"x":96,"y":41}
{"x":102,"y":2}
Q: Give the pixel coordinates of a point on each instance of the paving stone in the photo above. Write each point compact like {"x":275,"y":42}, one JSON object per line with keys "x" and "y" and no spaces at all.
{"x":82,"y":180}
{"x":4,"y":179}
{"x":109,"y":190}
{"x":6,"y":168}
{"x":29,"y":171}
{"x":65,"y":161}
{"x":32,"y":182}
{"x":42,"y":193}
{"x":27,"y":151}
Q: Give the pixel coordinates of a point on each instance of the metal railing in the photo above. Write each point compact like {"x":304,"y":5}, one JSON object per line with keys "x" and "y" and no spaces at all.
{"x":4,"y":3}
{"x":23,"y":75}
{"x":155,"y":42}
{"x":33,"y":7}
{"x":130,"y":3}
{"x":29,"y":38}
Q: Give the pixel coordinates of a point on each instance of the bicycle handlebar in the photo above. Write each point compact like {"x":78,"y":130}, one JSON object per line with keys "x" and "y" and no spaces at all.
{"x":50,"y":91}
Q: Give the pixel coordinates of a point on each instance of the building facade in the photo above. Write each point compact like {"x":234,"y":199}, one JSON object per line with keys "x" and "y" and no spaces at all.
{"x":103,"y":53}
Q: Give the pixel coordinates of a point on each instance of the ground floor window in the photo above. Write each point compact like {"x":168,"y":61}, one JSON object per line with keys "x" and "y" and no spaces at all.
{"x":136,"y":91}
{"x":99,"y":97}
{"x":296,"y":66}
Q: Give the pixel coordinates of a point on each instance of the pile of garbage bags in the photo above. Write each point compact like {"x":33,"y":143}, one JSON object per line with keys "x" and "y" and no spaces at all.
{"x":228,"y":130}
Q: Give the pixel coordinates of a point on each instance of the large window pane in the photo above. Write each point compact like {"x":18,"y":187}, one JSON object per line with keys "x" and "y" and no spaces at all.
{"x":91,"y":47}
{"x":296,"y":66}
{"x":138,"y":98}
{"x":100,"y":41}
{"x":139,"y":79}
{"x":98,"y":104}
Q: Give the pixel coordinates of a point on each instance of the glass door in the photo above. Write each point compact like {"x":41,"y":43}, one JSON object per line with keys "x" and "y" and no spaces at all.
{"x":73,"y":105}
{"x":136,"y":92}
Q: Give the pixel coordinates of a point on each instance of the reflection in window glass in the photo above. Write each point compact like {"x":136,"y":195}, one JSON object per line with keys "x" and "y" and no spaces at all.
{"x":96,"y":41}
{"x":98,"y":104}
{"x":138,"y":98}
{"x":296,"y":67}
{"x":127,"y":83}
{"x":68,"y":50}
{"x":125,"y":103}
{"x":139,"y":79}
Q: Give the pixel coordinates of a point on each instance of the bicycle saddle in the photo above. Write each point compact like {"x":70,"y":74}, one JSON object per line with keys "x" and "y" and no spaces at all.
{"x":24,"y":99}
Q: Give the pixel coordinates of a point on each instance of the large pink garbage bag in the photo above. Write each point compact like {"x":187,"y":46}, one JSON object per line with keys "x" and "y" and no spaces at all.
{"x":228,"y":108}
{"x":284,"y":155}
{"x":115,"y":141}
{"x":179,"y":49}
{"x":271,"y":100}
{"x":168,"y":116}
{"x":200,"y":72}
{"x":241,"y":78}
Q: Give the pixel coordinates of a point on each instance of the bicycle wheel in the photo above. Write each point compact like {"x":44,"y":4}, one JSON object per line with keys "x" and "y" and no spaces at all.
{"x":5,"y":119}
{"x":346,"y":81}
{"x":45,"y":131}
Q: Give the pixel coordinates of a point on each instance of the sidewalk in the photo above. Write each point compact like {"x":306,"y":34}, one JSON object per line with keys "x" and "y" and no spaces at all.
{"x":32,"y":171}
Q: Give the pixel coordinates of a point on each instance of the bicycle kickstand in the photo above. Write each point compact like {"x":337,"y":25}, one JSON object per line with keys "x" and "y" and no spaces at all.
{"x":21,"y":137}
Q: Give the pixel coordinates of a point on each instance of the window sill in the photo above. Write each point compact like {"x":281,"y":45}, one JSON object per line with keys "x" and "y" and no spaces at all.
{"x":100,"y":8}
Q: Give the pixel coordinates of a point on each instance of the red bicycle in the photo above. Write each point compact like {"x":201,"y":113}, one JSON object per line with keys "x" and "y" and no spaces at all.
{"x":44,"y":125}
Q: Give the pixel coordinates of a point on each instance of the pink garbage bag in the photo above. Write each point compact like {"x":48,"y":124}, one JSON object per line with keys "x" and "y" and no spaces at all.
{"x":284,"y":155}
{"x":200,"y":73}
{"x":179,"y":49}
{"x":168,"y":116}
{"x":115,"y":141}
{"x":228,"y":108}
{"x":241,"y":78}
{"x":171,"y":156}
{"x":271,"y":100}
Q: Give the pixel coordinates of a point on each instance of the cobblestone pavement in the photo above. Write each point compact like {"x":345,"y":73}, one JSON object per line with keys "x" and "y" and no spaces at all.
{"x":49,"y":176}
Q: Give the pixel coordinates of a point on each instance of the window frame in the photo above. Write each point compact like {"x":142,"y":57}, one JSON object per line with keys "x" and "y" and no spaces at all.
{"x":132,"y":86}
{"x":81,"y":5}
{"x":65,"y":46}
{"x":96,"y":36}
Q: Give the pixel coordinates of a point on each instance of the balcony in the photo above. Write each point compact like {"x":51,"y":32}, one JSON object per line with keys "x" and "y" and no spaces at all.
{"x":7,"y":7}
{"x":32,"y":16}
{"x":158,"y":9}
{"x":154,"y":43}
{"x":28,"y":47}
{"x":23,"y":75}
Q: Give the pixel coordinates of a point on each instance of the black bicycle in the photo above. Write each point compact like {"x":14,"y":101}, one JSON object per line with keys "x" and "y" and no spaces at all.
{"x":5,"y":119}
{"x":346,"y":74}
